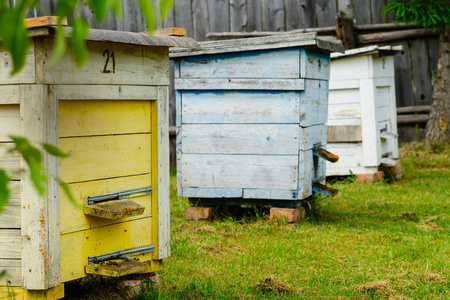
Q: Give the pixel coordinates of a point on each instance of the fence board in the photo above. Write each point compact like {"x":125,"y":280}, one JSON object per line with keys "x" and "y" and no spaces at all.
{"x":403,"y":84}
{"x":421,"y":74}
{"x":254,"y":16}
{"x":238,"y":15}
{"x":326,"y":12}
{"x":433,"y":53}
{"x":200,"y":19}
{"x":346,"y":6}
{"x":183,"y":16}
{"x":362,"y":12}
{"x":294,"y":18}
{"x":376,"y":8}
{"x":218,"y":15}
{"x":129,"y":16}
{"x":273,"y":15}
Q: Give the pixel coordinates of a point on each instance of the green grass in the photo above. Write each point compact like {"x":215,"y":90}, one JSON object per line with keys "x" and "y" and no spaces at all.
{"x":372,"y":241}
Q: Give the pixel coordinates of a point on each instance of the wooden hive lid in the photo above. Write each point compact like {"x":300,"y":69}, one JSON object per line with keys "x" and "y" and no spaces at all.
{"x":310,"y":40}
{"x":374,"y":49}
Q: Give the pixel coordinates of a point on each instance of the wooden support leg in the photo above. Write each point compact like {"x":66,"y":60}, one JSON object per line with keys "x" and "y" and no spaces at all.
{"x":369,"y":178}
{"x":290,"y":215}
{"x":395,"y":171}
{"x":197,"y":213}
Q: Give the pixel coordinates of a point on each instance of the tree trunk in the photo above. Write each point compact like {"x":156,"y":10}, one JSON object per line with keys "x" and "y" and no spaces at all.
{"x":438,"y":127}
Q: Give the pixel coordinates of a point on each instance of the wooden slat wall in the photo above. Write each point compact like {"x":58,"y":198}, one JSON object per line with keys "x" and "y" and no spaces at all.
{"x":414,"y":69}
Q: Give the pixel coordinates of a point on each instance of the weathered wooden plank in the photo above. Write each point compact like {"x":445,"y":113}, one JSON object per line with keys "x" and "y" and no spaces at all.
{"x":200,"y":19}
{"x":312,"y":135}
{"x":15,"y":199}
{"x":370,"y":134}
{"x":10,"y":247}
{"x":414,"y":109}
{"x":170,"y":31}
{"x":90,"y":118}
{"x":270,"y":194}
{"x":422,"y":81}
{"x":314,"y":103}
{"x":240,"y":84}
{"x":267,"y":139}
{"x":129,"y":16}
{"x":362,"y":11}
{"x":293,"y":14}
{"x":160,"y":166}
{"x":305,"y":173}
{"x":101,"y":157}
{"x":107,"y":92}
{"x":239,"y":171}
{"x":238,"y":15}
{"x":73,"y":219}
{"x":412,"y":119}
{"x":44,"y":21}
{"x":308,"y":14}
{"x":218,"y":11}
{"x":254,"y":16}
{"x":341,"y":134}
{"x":325,"y":12}
{"x":9,"y":121}
{"x":13,"y":277}
{"x":108,"y":63}
{"x":433,"y":53}
{"x":211,"y":193}
{"x":346,"y":6}
{"x":40,"y":214}
{"x":314,"y":64}
{"x":375,"y":8}
{"x":403,"y":80}
{"x":26,"y":75}
{"x":383,"y":37}
{"x":9,"y":94}
{"x":10,"y":217}
{"x":76,"y":247}
{"x":256,"y":64}
{"x":183,"y":16}
{"x":273,"y":15}
{"x":238,"y":107}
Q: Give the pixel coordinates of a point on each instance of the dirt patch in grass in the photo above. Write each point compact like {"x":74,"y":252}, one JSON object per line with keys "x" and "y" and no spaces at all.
{"x":376,"y":288}
{"x":270,"y":284}
{"x":434,"y":278}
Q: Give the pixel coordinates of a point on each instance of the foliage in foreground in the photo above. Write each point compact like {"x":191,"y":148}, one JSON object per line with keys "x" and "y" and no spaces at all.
{"x":372,"y":241}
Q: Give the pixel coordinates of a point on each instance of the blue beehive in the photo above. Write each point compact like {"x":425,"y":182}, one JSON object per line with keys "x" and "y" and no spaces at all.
{"x":251,"y":114}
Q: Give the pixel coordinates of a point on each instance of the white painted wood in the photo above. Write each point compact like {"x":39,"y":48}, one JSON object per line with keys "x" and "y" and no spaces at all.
{"x":152,"y":67}
{"x":282,"y":63}
{"x":369,"y":50}
{"x":211,"y":193}
{"x":383,"y":67}
{"x":40,"y":215}
{"x":13,"y":268}
{"x":337,"y":84}
{"x":350,"y":158}
{"x":9,"y":94}
{"x":10,"y":245}
{"x":370,"y":134}
{"x":343,"y":96}
{"x":314,"y":103}
{"x":272,"y":194}
{"x":350,"y":68}
{"x":281,"y":139}
{"x":10,"y":161}
{"x":239,"y":171}
{"x":107,"y":92}
{"x":341,"y":112}
{"x":314,"y":64}
{"x":26,"y":75}
{"x":240,"y":84}
{"x":238,"y":107}
{"x":163,"y":174}
{"x":260,"y":43}
{"x":9,"y":121}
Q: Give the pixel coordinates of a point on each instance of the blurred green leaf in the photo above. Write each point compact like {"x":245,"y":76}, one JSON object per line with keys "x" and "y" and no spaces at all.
{"x":68,"y":192}
{"x":149,"y":13}
{"x":101,"y":8}
{"x":5,"y":192}
{"x":33,"y":158}
{"x":59,"y":46}
{"x":55,"y":151}
{"x":165,"y":6}
{"x":78,"y":37}
{"x":65,"y":7}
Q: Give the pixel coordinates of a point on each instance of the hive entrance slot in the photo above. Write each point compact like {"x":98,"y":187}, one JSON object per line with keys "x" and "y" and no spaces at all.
{"x":116,"y":205}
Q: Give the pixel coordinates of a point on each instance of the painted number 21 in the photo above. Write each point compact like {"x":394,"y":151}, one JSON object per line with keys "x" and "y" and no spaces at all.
{"x":105,"y":68}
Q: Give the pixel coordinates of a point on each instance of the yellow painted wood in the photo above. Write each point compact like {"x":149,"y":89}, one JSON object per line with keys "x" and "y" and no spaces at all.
{"x":73,"y":219}
{"x":105,"y":157}
{"x":132,"y":64}
{"x":114,"y":210}
{"x":88,"y":118}
{"x":119,"y":268}
{"x":9,"y":121}
{"x":16,"y":292}
{"x":76,"y":247}
{"x":109,"y":92}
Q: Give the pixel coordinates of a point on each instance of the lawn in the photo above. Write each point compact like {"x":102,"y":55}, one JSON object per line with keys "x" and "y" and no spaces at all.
{"x":388,"y":240}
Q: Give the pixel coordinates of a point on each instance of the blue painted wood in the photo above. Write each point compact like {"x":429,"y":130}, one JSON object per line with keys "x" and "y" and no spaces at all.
{"x":211,"y":193}
{"x":240,"y":84}
{"x":224,"y":107}
{"x":314,"y":64}
{"x":281,"y":139}
{"x":314,"y":103}
{"x":281,"y":63}
{"x":270,"y":194}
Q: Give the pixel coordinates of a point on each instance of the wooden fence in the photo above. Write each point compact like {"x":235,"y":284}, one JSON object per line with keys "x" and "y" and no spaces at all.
{"x":414,"y":69}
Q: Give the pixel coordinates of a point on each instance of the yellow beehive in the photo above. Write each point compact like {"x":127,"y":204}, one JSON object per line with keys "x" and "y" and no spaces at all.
{"x":112,"y":114}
